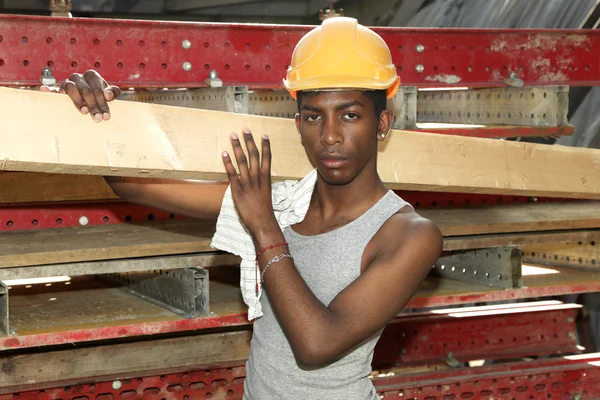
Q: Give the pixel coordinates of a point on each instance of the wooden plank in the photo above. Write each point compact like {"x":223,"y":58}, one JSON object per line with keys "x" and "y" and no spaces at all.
{"x":515,"y":218}
{"x":451,"y":243}
{"x":30,"y":187}
{"x":169,"y":142}
{"x":127,"y":360}
{"x":121,"y":265}
{"x":518,"y":239}
{"x":109,"y":242}
{"x":86,"y":303}
{"x":76,"y":304}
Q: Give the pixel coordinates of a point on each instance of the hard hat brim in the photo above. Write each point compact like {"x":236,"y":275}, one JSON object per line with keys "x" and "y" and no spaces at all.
{"x":343,"y":83}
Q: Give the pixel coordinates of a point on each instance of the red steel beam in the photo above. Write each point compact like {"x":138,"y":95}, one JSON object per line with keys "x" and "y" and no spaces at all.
{"x":570,"y":377}
{"x":152,"y":53}
{"x":489,"y":332}
{"x":27,"y":216}
{"x":492,"y":331}
{"x":561,"y":378}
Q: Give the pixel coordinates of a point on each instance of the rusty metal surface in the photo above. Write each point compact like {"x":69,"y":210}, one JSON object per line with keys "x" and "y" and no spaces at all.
{"x":498,"y":267}
{"x":152,"y":53}
{"x":229,"y":99}
{"x":183,"y":291}
{"x":211,"y":259}
{"x":582,"y":254}
{"x":457,"y":335}
{"x":534,"y":106}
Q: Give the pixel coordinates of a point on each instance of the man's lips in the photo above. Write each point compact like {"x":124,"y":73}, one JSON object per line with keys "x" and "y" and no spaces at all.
{"x":333,"y":160}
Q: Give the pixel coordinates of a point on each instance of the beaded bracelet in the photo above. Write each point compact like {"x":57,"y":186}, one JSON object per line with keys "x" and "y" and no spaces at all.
{"x":273,"y":261}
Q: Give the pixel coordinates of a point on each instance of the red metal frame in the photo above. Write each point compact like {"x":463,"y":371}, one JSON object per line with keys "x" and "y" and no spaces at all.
{"x":63,"y":215}
{"x":575,"y":377}
{"x":150,"y":53}
{"x":69,"y":214}
{"x":560,"y":378}
{"x":489,"y":332}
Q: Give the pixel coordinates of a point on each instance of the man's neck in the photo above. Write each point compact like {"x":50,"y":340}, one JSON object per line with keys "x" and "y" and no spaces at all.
{"x":360,"y":194}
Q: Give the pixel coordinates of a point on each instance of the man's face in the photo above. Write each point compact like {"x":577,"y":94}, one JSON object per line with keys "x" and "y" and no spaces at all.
{"x":339,"y":131}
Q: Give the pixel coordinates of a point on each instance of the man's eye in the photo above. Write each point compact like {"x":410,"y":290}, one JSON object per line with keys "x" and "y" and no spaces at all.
{"x":312,"y":118}
{"x":351,"y":116}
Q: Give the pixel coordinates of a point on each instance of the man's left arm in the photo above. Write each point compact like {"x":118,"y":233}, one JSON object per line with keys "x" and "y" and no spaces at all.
{"x":408,"y":246}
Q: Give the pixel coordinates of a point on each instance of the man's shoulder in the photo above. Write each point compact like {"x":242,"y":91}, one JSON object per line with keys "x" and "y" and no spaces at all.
{"x":408,"y":228}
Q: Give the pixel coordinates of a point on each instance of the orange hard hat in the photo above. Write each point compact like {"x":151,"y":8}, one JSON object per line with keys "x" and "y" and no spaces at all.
{"x":341,"y":54}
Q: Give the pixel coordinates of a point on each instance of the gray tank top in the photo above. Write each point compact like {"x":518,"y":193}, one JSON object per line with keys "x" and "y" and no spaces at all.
{"x":328,"y":263}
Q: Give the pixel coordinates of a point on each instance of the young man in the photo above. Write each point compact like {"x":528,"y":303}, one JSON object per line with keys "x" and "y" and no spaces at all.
{"x":333,"y":281}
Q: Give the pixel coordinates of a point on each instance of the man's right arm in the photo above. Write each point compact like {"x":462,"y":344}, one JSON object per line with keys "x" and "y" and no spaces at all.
{"x":90,"y":94}
{"x":194,"y":199}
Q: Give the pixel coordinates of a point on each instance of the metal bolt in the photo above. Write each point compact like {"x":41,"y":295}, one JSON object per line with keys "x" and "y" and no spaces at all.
{"x":213,"y":79}
{"x":419,"y":68}
{"x":186,"y":44}
{"x":514,"y":80}
{"x":420,"y":48}
{"x":117,"y":385}
{"x":571,"y":335}
{"x":47,"y":78}
{"x":12,"y":331}
{"x":83,"y":220}
{"x":577,"y":396}
{"x":569,"y":319}
{"x":187,"y":66}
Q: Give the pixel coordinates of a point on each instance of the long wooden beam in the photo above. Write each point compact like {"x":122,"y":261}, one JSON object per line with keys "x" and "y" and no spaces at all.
{"x":170,"y":142}
{"x":110,"y":242}
{"x":125,"y":360}
{"x":31,"y":187}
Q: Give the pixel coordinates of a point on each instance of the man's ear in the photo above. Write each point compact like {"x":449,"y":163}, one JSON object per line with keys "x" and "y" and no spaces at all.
{"x":297,"y":119}
{"x":385,"y":124}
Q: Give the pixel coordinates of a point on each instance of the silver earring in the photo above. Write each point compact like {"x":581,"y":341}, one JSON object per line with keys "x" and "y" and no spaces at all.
{"x":383,"y":135}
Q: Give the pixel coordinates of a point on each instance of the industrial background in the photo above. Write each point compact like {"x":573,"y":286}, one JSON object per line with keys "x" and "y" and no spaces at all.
{"x":78,"y":318}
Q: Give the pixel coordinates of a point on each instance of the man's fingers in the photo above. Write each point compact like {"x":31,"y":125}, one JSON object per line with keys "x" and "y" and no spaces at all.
{"x":70,"y":88}
{"x":265,"y":167}
{"x":89,"y":97}
{"x":253,"y":156}
{"x":111,"y":93}
{"x":97,"y":84}
{"x":240,"y":157}
{"x":47,"y":89}
{"x":230,"y":169}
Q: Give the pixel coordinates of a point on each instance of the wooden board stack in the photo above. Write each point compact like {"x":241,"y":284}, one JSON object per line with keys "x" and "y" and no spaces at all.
{"x":151,"y":140}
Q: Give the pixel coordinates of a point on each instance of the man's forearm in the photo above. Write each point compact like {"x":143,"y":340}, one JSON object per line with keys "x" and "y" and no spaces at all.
{"x":304,"y":319}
